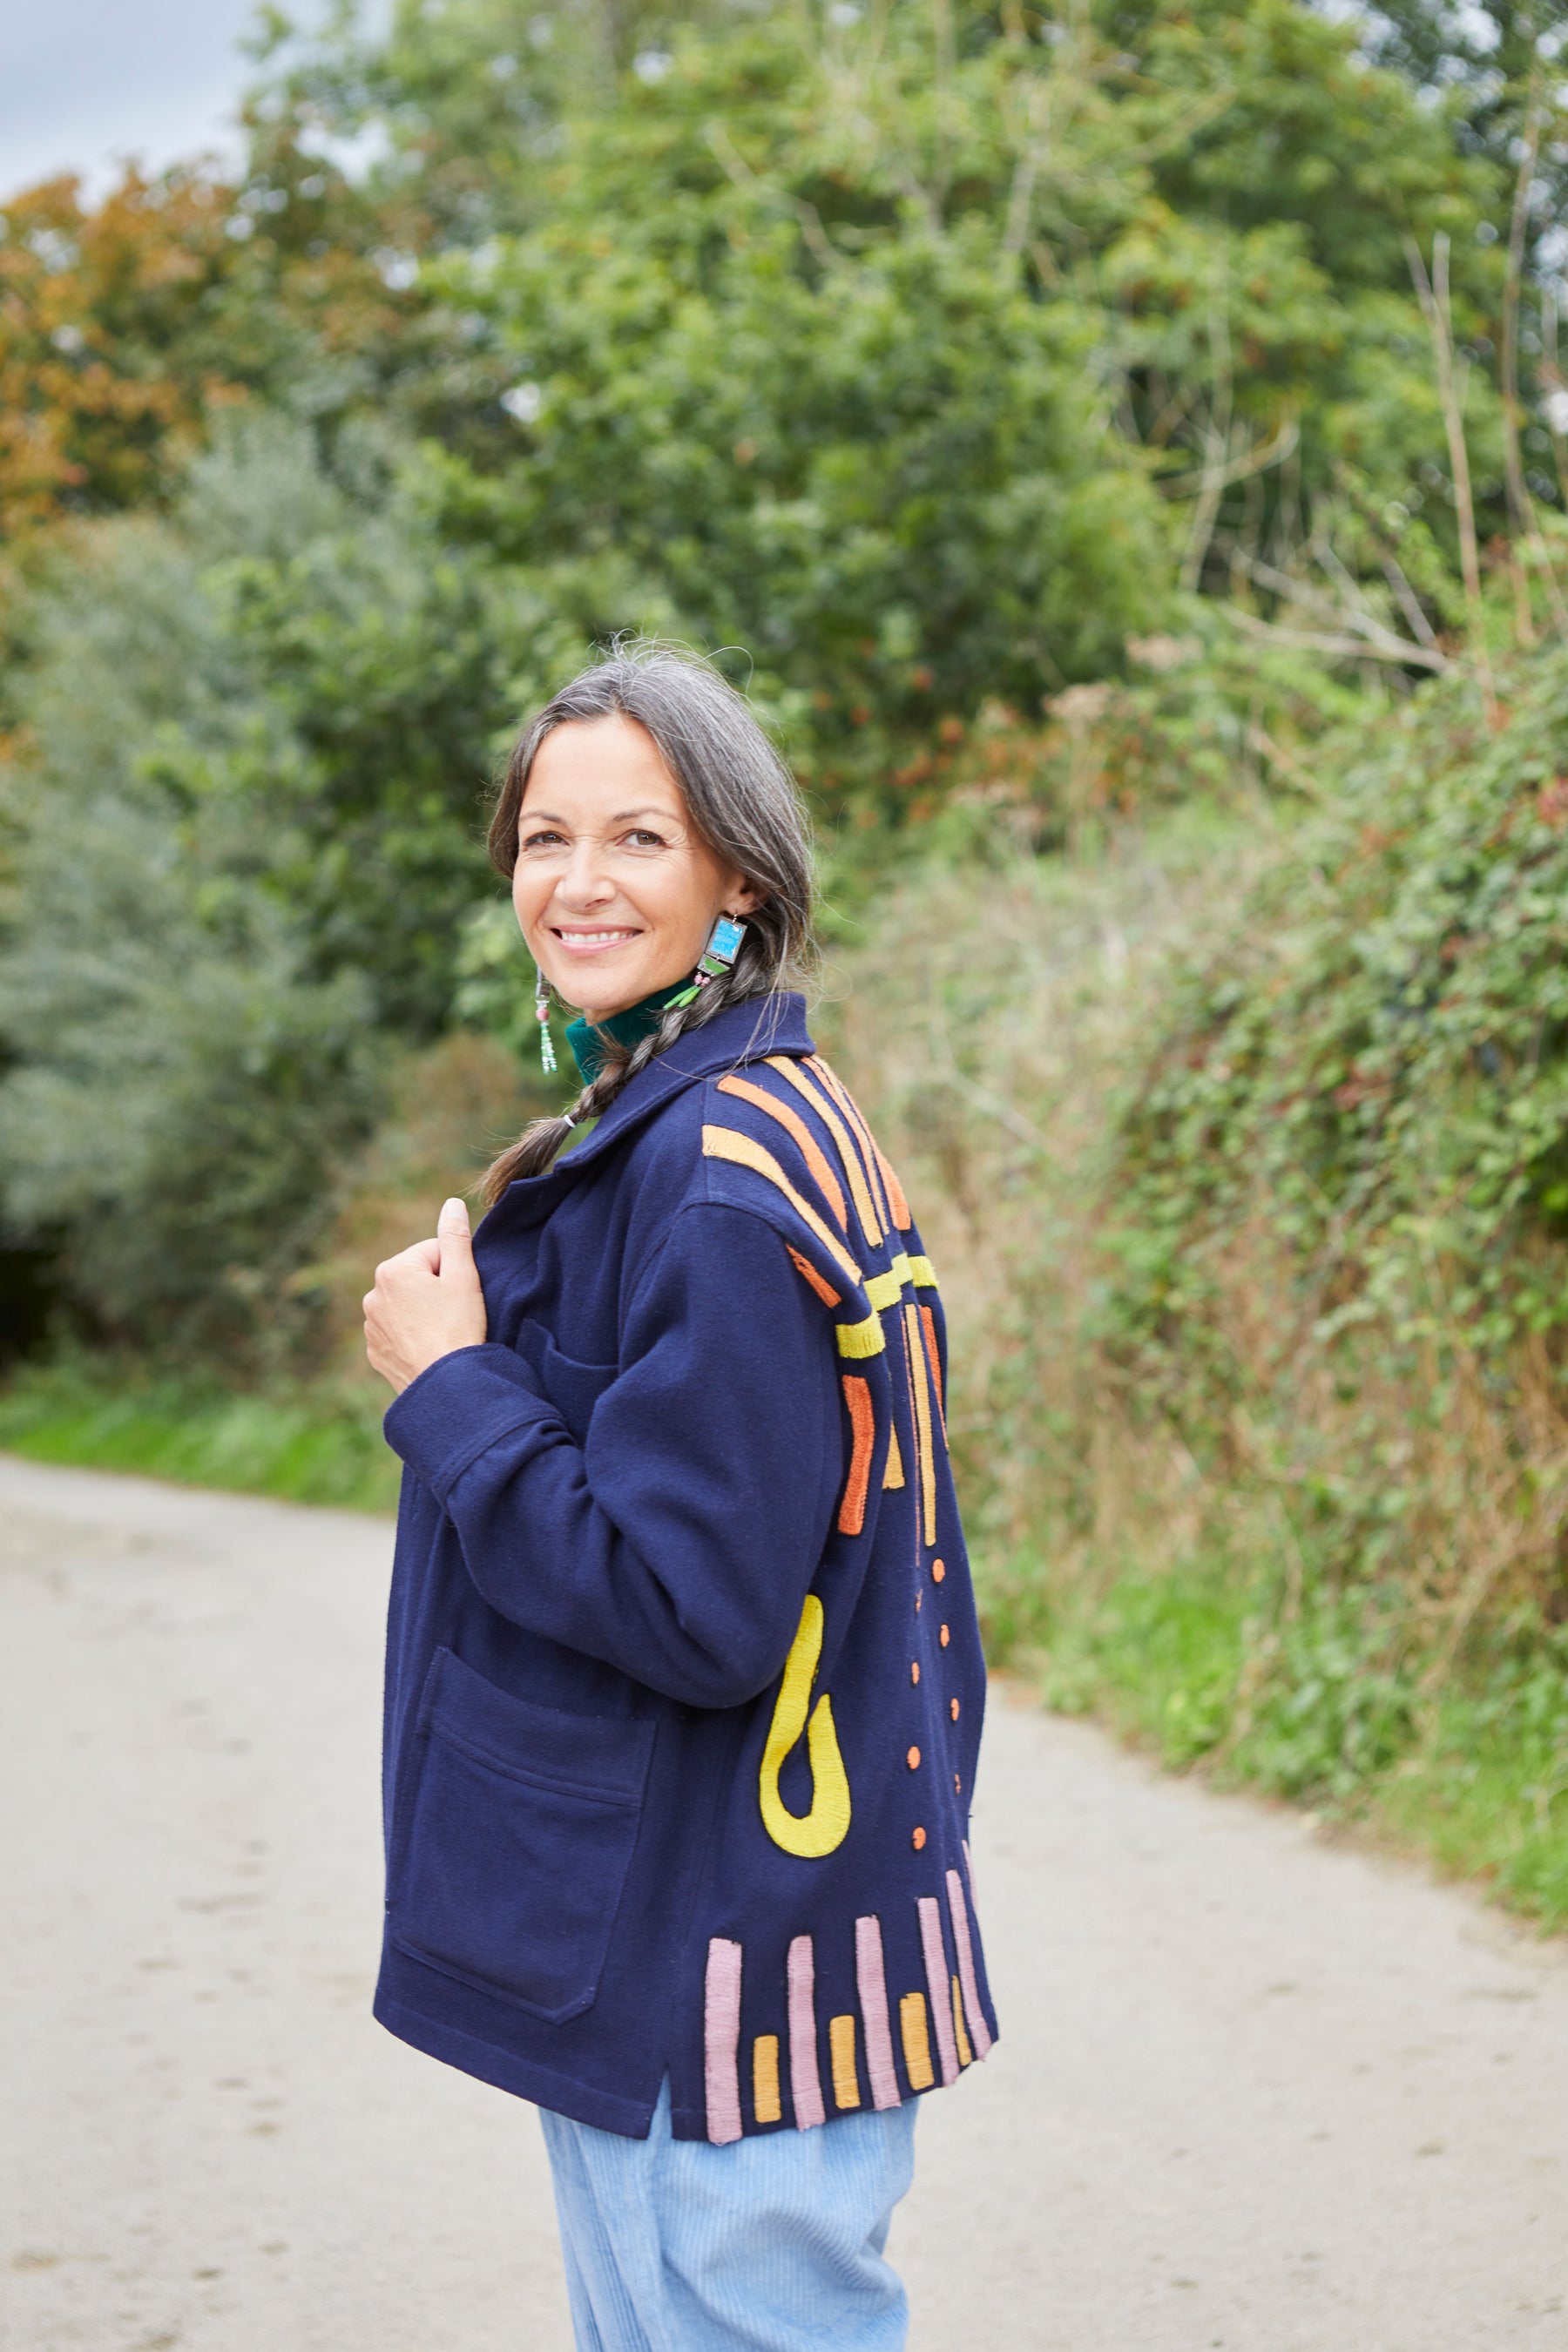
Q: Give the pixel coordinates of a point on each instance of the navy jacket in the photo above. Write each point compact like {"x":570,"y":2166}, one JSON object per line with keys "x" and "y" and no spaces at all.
{"x":684,"y":1686}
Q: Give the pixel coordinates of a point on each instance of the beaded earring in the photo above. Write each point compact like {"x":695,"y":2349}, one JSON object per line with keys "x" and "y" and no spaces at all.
{"x":724,"y":944}
{"x":542,"y":1013}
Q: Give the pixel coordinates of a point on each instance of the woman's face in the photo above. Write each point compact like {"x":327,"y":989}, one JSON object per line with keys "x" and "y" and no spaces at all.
{"x":614,"y":889}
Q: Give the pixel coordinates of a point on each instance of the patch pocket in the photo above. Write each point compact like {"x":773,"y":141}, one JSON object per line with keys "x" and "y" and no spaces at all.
{"x":518,"y":1833}
{"x":573,"y":1388}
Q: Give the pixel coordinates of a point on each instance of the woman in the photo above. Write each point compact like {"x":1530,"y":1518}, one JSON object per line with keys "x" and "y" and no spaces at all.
{"x":684,"y":1686}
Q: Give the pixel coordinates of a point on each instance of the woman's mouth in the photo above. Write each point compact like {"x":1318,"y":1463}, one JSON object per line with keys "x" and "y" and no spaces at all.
{"x":595,"y":942}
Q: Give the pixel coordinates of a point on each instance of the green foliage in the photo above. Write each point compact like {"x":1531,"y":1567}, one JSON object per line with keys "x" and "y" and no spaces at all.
{"x":315,"y":1445}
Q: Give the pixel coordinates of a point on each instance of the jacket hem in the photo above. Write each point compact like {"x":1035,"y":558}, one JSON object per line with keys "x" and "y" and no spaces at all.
{"x":629,"y":2118}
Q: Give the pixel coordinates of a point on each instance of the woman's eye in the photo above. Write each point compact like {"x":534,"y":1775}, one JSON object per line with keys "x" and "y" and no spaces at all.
{"x":541,"y":840}
{"x":641,"y":838}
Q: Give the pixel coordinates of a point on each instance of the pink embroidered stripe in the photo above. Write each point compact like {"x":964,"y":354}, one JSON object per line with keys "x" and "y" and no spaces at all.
{"x":805,"y":2079}
{"x":979,"y":2032}
{"x":721,"y":2040}
{"x":937,"y":1985}
{"x":872,"y":1978}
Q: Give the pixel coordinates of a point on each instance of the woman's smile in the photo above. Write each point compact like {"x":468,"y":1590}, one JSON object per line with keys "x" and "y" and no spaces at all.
{"x":579,"y":940}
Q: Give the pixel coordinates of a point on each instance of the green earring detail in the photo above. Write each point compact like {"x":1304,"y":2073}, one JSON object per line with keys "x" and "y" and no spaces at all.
{"x":542,"y":1011}
{"x":724,"y":943}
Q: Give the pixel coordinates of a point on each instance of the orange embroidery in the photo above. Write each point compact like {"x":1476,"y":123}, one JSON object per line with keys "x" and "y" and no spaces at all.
{"x":811,"y":1150}
{"x":919,"y":1839}
{"x":965,"y":2055}
{"x":825,"y":1290}
{"x":952,"y":1708}
{"x":928,"y":1325}
{"x":913,"y":1760}
{"x":865,"y":1207}
{"x":900,"y":1207}
{"x":745,"y":1151}
{"x":938,"y":1569}
{"x":916,"y":2039}
{"x":841,"y":2055}
{"x":943,"y":1637}
{"x":846,"y":1104}
{"x":915,"y":1672}
{"x":863,"y":1423}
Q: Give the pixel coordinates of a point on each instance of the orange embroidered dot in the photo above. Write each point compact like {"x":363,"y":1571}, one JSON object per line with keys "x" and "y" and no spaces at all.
{"x":914,"y":1759}
{"x":914,"y":1670}
{"x":919,"y":1839}
{"x":937,"y":1570}
{"x":952,"y":1705}
{"x":919,"y":1598}
{"x":943,"y":1637}
{"x":957,"y":1786}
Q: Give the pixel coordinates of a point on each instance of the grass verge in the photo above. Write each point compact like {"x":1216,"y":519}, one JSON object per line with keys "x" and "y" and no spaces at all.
{"x":320,"y":1445}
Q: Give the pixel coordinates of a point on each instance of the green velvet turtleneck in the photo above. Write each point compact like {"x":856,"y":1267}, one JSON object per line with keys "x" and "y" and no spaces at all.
{"x":586,"y":1038}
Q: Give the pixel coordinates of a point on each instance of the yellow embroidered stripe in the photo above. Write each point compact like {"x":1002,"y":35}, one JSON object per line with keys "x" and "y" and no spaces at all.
{"x":922,"y":1422}
{"x":965,"y":2055}
{"x":841,"y":2050}
{"x":916,"y":2041}
{"x":796,"y":1127}
{"x":922,"y":1274}
{"x":855,"y":1175}
{"x":729,"y":1144}
{"x":883,"y":1289}
{"x":893,"y":1473}
{"x":765,"y":2078}
{"x":861,"y":1339}
{"x":830,"y":1078}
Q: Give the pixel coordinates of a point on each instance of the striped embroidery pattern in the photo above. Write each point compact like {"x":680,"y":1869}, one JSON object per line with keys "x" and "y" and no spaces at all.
{"x":937,"y":1985}
{"x":825,"y":1290}
{"x":922,"y":1425}
{"x":871,"y":1983}
{"x":933,"y":1355}
{"x":958,"y":1911}
{"x":721,"y":2040}
{"x":794,"y":1124}
{"x":965,"y":2055}
{"x":805,"y":2081}
{"x":863,"y":1424}
{"x":846,"y":1101}
{"x":865,"y":1207}
{"x":744,"y":1152}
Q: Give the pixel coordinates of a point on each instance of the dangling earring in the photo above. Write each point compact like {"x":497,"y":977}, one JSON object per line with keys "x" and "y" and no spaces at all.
{"x":724,"y":943}
{"x":542,"y":1011}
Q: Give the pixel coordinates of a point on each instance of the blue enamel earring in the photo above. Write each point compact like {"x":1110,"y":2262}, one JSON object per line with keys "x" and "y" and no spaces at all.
{"x":724,"y":944}
{"x":541,"y":1012}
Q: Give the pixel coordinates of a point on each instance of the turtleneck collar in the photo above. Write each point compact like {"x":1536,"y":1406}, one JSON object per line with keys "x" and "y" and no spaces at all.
{"x":587,"y":1038}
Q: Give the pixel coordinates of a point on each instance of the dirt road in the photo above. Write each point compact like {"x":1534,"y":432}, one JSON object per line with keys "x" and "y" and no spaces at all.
{"x":1253,"y":2093}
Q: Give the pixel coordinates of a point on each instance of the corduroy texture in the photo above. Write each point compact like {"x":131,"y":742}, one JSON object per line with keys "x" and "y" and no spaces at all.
{"x":623,"y":1514}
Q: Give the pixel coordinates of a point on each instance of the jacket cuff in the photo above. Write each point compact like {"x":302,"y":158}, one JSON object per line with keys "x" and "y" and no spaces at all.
{"x":457,"y":1408}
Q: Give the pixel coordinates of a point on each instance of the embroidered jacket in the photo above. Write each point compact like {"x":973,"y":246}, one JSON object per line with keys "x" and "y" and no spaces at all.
{"x":684,"y":1686}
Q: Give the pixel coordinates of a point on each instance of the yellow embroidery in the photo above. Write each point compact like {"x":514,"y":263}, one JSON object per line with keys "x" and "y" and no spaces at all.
{"x":861,"y":1339}
{"x":744,"y":1152}
{"x":811,"y":1151}
{"x":965,"y":2054}
{"x":827,"y":1825}
{"x":847,"y":1103}
{"x":893,"y":1473}
{"x":884,"y":1289}
{"x":916,"y":2041}
{"x":841,"y":2049}
{"x":922,"y":1272}
{"x":765,"y":2078}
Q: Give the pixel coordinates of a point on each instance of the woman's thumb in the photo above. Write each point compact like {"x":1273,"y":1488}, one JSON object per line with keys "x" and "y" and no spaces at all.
{"x":452,"y":1232}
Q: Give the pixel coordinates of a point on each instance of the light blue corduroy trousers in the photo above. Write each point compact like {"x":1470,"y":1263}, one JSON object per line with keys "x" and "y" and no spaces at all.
{"x":772,"y":2244}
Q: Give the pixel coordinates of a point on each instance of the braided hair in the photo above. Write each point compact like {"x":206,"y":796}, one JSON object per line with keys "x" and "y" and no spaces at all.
{"x":739,"y":797}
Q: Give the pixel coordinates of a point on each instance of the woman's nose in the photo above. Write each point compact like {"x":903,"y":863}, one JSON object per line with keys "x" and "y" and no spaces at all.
{"x":585,"y":884}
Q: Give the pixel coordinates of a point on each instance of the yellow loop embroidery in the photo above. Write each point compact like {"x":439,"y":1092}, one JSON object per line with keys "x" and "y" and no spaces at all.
{"x":827,"y":1823}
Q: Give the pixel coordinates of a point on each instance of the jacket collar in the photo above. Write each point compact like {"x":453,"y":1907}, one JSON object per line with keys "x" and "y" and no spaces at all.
{"x":742,"y":1033}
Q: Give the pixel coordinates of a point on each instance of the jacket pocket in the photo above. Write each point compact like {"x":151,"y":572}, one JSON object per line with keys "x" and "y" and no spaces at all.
{"x":518,"y":1827}
{"x":571,"y":1387}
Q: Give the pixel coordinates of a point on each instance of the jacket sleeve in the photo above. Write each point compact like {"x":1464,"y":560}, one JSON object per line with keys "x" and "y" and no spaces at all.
{"x":679,"y":1540}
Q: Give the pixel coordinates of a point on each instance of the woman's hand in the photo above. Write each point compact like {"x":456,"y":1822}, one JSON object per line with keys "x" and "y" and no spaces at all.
{"x":426,"y":1303}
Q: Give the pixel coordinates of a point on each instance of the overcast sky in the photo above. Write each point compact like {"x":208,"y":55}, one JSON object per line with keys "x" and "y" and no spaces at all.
{"x":86,"y":82}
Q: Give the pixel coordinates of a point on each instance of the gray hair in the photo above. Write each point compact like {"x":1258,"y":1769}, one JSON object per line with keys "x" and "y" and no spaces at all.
{"x":741,"y":798}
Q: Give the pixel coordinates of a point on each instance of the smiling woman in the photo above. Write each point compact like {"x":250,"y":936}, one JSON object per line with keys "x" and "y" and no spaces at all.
{"x":680,"y":1766}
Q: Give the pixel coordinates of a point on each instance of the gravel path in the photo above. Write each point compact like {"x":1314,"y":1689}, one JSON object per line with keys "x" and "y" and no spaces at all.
{"x":1254,"y":2093}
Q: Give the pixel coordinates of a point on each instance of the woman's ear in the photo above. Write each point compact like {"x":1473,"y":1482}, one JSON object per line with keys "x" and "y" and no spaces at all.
{"x":747,"y":899}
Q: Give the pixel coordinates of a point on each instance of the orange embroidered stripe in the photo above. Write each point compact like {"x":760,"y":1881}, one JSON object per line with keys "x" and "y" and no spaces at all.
{"x":928,"y":1325}
{"x":829,"y":1079}
{"x":865,"y":1207}
{"x":841,"y":2052}
{"x":825,"y":1290}
{"x":811,"y":1150}
{"x":900,"y":1207}
{"x":916,"y":2040}
{"x":922,"y":1423}
{"x":863,"y":1423}
{"x":729,"y":1144}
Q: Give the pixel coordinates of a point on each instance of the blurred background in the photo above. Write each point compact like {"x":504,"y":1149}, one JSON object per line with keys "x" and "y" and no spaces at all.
{"x":1121,"y":446}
